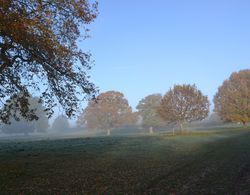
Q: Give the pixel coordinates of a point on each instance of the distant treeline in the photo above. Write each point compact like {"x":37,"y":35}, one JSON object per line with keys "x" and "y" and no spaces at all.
{"x":182,"y":107}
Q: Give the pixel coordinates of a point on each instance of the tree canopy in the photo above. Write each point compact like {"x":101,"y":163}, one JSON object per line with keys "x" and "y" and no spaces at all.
{"x":110,"y":110}
{"x":38,"y":52}
{"x":183,"y":103}
{"x":147,"y":109}
{"x":232,"y":101}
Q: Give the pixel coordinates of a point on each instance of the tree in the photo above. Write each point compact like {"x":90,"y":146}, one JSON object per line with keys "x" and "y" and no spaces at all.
{"x":20,"y":124}
{"x":42,"y":123}
{"x":183,"y":103}
{"x":110,"y":110}
{"x":147,"y":108}
{"x":232,"y":101}
{"x":61,"y":123}
{"x":38,"y":52}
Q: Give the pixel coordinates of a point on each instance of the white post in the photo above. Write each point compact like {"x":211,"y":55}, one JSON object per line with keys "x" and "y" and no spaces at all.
{"x":151,"y":130}
{"x":108,"y":132}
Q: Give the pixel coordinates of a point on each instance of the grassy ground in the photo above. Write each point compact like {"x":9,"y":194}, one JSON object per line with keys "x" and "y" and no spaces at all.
{"x":207,"y":162}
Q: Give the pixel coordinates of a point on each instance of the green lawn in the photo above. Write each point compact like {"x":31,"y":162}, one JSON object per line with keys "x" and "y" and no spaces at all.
{"x":205,"y":162}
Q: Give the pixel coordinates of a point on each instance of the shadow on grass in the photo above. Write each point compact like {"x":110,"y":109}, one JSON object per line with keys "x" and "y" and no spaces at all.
{"x":200,"y":162}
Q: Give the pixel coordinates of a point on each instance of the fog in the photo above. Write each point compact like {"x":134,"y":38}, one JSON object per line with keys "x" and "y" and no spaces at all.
{"x":62,"y":129}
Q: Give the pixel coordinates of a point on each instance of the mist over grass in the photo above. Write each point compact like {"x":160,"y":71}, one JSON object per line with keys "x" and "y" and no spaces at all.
{"x":62,"y":130}
{"x":127,"y":130}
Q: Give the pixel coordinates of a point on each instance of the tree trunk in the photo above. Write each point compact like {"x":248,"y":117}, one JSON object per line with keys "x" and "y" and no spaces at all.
{"x":108,"y":132}
{"x":151,"y":130}
{"x":244,"y":124}
{"x":181,"y":128}
{"x":173,"y":131}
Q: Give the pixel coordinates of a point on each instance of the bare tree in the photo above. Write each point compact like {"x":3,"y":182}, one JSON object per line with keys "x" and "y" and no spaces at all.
{"x":183,"y":103}
{"x":110,"y":110}
{"x":38,"y":52}
{"x":232,"y":101}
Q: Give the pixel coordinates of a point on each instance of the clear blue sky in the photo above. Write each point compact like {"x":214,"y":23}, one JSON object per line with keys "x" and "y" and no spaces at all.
{"x":142,"y":47}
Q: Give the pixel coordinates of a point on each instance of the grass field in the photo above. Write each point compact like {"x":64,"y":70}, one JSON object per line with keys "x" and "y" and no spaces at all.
{"x":203,"y":162}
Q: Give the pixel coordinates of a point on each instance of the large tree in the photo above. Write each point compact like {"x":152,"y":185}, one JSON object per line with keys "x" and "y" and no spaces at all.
{"x":38,"y":52}
{"x":110,"y":110}
{"x":147,"y":109}
{"x":183,"y":103}
{"x":232,"y":101}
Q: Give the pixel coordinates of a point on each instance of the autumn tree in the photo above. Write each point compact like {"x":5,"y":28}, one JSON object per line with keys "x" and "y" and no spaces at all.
{"x":232,"y":101}
{"x":183,"y":103}
{"x":147,"y":109}
{"x":20,"y":124}
{"x":110,"y":110}
{"x":38,"y":52}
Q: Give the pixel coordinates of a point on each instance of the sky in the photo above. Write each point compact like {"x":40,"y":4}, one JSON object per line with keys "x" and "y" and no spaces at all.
{"x":141,"y":47}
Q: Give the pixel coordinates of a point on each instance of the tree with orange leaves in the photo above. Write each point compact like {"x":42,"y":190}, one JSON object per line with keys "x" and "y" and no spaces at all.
{"x":38,"y":52}
{"x":110,"y":110}
{"x":183,"y":103}
{"x":232,"y":101}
